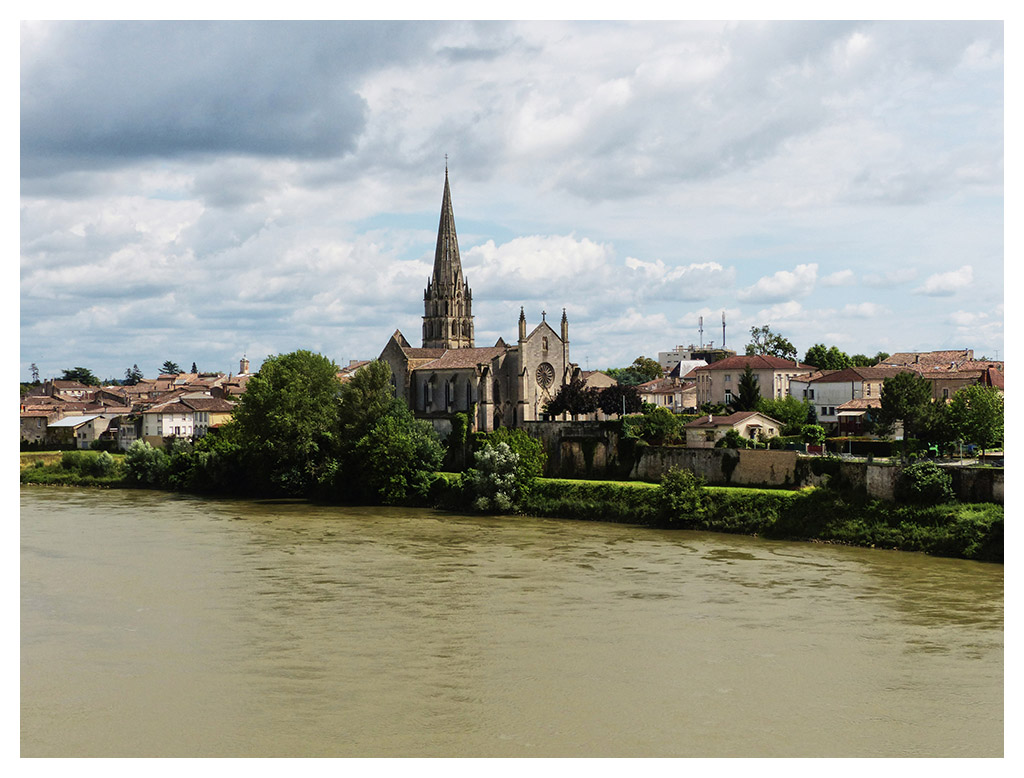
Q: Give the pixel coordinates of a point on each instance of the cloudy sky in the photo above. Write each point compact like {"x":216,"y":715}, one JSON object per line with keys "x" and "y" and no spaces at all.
{"x":200,"y":191}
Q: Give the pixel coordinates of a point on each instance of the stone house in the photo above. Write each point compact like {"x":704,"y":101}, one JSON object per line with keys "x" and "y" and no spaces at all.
{"x":80,"y":430}
{"x":708,"y":430}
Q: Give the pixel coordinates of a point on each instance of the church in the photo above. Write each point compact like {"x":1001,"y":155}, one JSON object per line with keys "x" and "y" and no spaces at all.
{"x":498,"y":386}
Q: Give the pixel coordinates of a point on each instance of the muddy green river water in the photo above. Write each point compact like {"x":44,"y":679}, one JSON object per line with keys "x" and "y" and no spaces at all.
{"x":162,"y":625}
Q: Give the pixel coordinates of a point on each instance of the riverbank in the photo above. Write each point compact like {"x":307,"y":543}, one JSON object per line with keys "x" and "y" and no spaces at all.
{"x":963,"y":530}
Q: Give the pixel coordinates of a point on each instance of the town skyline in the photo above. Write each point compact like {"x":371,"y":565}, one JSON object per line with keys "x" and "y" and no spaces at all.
{"x":840,"y":182}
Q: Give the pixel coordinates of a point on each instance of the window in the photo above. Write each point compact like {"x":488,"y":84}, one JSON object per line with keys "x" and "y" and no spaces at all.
{"x":728,"y":378}
{"x":824,"y":410}
{"x":728,"y":396}
{"x":810,"y":394}
{"x":945,"y":394}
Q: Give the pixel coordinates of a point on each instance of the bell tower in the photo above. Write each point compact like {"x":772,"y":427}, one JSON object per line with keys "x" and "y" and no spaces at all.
{"x":447,"y":300}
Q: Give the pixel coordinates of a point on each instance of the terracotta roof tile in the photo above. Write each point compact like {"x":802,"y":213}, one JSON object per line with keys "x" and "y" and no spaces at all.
{"x":756,"y":362}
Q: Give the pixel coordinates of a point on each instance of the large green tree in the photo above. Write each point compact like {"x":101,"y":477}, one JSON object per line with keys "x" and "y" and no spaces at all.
{"x":906,"y":398}
{"x":976,"y":416}
{"x":287,"y":422}
{"x":385,"y":453}
{"x":749,"y":391}
{"x":767,"y":343}
{"x":169,"y":368}
{"x":82,"y":375}
{"x":827,"y":358}
{"x":793,"y":413}
{"x":642,"y":370}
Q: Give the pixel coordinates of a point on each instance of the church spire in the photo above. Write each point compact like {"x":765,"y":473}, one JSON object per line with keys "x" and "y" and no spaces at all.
{"x":447,"y":301}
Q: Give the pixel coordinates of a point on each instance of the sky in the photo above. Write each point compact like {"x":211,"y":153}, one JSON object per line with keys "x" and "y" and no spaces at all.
{"x":197,"y":191}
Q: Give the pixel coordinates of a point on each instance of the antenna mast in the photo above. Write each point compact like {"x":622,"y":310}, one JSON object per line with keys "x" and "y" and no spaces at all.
{"x":723,"y":329}
{"x":700,"y":328}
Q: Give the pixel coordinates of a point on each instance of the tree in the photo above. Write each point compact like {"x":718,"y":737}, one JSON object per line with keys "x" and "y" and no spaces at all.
{"x":169,"y":368}
{"x":813,"y":434}
{"x":906,"y":398}
{"x":574,"y":398}
{"x":82,"y":375}
{"x":287,"y":422}
{"x":35,"y":373}
{"x":767,"y":343}
{"x":976,"y":416}
{"x":132,"y":375}
{"x":619,"y":399}
{"x":790,"y":411}
{"x":498,"y":482}
{"x":749,"y":391}
{"x":642,"y":370}
{"x":194,"y":369}
{"x":827,"y":358}
{"x":384,"y":453}
{"x":394,"y":459}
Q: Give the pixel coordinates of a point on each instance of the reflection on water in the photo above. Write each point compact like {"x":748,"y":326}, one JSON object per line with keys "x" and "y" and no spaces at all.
{"x":164,"y":625}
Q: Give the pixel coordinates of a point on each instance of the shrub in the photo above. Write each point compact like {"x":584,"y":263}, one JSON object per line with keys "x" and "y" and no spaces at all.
{"x":145,"y":465}
{"x":924,"y":483}
{"x":532,"y":456}
{"x":682,"y":496}
{"x":498,"y":482}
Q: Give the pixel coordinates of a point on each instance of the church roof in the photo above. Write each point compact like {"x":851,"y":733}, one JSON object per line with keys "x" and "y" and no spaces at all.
{"x":456,"y":358}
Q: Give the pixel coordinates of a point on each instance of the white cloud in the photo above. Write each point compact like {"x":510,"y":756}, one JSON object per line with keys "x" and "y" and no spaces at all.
{"x":783,"y":285}
{"x":864,"y":310}
{"x":782,"y":312}
{"x":839,"y":278}
{"x":659,"y":281}
{"x":947,"y":284}
{"x":890,"y":278}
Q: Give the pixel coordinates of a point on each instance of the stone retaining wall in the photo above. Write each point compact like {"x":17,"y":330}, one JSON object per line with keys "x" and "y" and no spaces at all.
{"x":593,"y":450}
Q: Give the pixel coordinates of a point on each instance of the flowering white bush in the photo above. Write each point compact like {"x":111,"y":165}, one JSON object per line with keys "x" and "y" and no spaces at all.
{"x":498,"y":482}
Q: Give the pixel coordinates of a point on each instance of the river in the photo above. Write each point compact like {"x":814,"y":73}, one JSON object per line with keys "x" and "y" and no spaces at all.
{"x":165,"y":625}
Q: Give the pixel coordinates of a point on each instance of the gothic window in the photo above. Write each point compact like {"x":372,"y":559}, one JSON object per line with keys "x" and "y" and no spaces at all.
{"x":469,"y":395}
{"x":496,"y":391}
{"x":447,"y":393}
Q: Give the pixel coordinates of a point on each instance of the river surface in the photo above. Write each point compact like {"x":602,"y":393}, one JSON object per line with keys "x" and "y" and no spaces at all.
{"x":163,"y":625}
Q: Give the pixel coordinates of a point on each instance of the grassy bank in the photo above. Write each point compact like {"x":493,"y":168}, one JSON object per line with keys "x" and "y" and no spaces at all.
{"x":969,"y":531}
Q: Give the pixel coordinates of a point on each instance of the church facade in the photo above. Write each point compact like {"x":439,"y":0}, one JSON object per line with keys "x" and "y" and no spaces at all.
{"x":498,"y":386}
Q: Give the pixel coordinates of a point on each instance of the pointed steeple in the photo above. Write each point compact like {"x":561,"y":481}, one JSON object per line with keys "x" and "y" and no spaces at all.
{"x":447,"y":300}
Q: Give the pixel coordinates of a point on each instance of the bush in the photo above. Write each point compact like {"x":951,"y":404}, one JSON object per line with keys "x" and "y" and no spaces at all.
{"x":101,"y":464}
{"x":498,"y":482}
{"x":682,"y":496}
{"x":532,"y":456}
{"x":924,"y":483}
{"x":145,"y":465}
